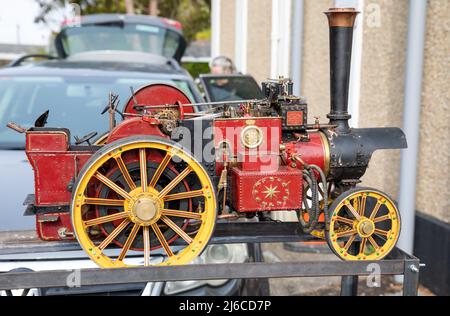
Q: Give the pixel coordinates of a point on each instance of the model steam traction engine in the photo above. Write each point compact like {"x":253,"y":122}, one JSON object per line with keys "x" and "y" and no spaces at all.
{"x":159,"y":180}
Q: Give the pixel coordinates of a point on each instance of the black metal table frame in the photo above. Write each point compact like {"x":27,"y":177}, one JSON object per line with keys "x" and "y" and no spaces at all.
{"x":398,"y":263}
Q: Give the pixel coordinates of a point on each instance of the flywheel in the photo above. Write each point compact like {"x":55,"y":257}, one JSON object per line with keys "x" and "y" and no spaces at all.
{"x":364,"y":225}
{"x":143,"y":201}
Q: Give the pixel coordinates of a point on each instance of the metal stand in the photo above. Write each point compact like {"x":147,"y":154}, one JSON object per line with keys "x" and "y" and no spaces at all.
{"x":349,"y":284}
{"x":398,"y":263}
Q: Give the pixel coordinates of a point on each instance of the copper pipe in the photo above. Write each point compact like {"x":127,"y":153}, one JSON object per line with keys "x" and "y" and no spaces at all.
{"x":342,"y":17}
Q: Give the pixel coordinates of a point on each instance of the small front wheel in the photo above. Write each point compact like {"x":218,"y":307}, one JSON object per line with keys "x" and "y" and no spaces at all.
{"x":364,"y":225}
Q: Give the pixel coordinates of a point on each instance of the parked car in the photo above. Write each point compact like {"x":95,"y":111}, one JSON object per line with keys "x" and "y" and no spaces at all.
{"x":115,"y":32}
{"x":75,"y":91}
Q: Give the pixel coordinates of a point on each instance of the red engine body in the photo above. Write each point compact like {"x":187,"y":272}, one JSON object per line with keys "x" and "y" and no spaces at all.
{"x":263,"y":176}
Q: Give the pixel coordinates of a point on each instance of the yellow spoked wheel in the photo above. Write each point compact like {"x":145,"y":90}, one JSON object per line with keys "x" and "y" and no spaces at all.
{"x":143,"y":201}
{"x":364,"y":225}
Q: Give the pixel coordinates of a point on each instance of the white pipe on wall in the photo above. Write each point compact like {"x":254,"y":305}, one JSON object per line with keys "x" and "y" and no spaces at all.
{"x":285,"y":20}
{"x":241,"y":31}
{"x":297,"y":45}
{"x":274,"y":40}
{"x":215,"y":28}
{"x":281,"y":38}
{"x":411,"y":120}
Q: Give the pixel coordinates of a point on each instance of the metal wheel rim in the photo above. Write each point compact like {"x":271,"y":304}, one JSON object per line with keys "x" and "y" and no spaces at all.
{"x":194,"y":246}
{"x":355,"y":202}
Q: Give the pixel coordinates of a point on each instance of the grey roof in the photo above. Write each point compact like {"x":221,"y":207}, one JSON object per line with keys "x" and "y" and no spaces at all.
{"x":111,"y":18}
{"x":97,"y":67}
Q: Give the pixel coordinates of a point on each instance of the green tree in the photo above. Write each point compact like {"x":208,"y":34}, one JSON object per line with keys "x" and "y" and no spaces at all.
{"x":193,"y":14}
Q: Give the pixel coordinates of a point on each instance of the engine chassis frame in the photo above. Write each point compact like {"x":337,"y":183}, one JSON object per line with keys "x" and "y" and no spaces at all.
{"x":397,"y":263}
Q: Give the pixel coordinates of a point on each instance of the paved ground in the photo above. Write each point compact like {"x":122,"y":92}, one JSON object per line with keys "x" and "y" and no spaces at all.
{"x":327,"y":286}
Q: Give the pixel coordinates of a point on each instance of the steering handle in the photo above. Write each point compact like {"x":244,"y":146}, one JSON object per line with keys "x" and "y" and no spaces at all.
{"x":86,"y":138}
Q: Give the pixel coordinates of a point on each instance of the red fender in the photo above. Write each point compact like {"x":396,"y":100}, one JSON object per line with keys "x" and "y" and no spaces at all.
{"x":159,"y":94}
{"x":134,"y":127}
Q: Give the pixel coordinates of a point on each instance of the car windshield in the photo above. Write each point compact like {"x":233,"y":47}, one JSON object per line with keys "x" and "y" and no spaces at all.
{"x":130,"y":37}
{"x":231,"y":88}
{"x":74,"y":102}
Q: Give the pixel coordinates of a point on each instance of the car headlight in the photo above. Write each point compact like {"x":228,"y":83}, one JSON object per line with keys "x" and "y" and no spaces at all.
{"x":213,"y":254}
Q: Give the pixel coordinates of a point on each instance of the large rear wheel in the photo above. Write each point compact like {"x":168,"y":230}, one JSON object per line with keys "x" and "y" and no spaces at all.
{"x":143,"y":201}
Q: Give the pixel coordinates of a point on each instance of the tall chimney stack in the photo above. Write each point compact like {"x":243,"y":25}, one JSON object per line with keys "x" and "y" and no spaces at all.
{"x":341,"y":22}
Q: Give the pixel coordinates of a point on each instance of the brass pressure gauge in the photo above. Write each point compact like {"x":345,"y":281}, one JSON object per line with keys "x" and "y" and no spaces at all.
{"x":252,"y":137}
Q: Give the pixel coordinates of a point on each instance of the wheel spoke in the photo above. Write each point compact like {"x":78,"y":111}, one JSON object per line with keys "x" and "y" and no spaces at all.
{"x":356,"y":203}
{"x":346,"y":233}
{"x":114,"y":234}
{"x":362,"y":246}
{"x":373,"y":242}
{"x":320,"y":191}
{"x":143,"y":167}
{"x":382,"y":232}
{"x":112,"y":185}
{"x":175,"y":182}
{"x":375,"y":210}
{"x":184,"y":195}
{"x":176,"y":229}
{"x":362,"y":206}
{"x":350,"y":242}
{"x":126,"y":175}
{"x":146,"y":234}
{"x":353,"y":211}
{"x":162,"y":240}
{"x":381,"y":219}
{"x":182,"y":214}
{"x":104,"y":202}
{"x":345,"y":220}
{"x":105,"y":219}
{"x":329,"y":187}
{"x":162,"y":166}
{"x":129,"y":242}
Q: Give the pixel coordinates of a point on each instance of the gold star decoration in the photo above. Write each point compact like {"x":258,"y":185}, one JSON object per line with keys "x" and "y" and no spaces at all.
{"x":271,"y":192}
